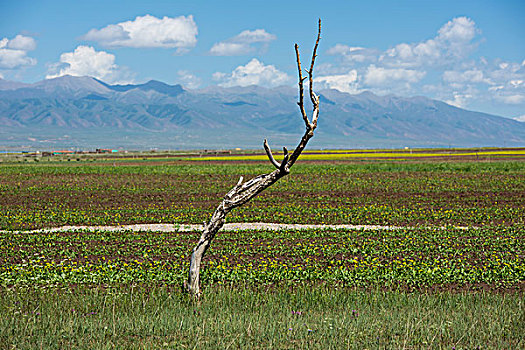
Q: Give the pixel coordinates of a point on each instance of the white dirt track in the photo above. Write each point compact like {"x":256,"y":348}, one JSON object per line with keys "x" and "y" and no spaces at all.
{"x":226,"y":227}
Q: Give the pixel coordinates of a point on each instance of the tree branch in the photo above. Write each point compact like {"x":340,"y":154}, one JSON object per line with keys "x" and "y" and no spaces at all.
{"x":270,"y":155}
{"x":313,"y":97}
{"x":300,"y":103}
{"x":242,"y":193}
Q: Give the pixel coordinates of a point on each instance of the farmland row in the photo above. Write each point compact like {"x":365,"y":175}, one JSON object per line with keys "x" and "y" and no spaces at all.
{"x":36,"y":196}
{"x":429,"y":258}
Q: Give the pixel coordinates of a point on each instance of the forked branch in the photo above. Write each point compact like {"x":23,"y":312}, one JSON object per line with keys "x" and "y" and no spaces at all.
{"x":283,"y":166}
{"x":243,"y":192}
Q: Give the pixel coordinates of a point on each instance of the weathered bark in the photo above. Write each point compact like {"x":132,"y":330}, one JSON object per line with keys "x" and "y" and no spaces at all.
{"x":243,"y":192}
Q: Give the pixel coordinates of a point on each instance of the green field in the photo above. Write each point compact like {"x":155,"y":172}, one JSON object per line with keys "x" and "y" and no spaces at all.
{"x":442,"y":258}
{"x":456,"y":255}
{"x":389,"y":193}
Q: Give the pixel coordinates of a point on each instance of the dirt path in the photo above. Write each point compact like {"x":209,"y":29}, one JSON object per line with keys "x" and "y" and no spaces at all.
{"x":227,"y":227}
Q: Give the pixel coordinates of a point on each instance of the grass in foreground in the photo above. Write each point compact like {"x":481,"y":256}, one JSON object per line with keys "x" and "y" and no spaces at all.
{"x":282,"y":318}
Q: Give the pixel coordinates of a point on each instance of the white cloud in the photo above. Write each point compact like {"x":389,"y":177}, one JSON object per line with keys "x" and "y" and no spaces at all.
{"x":254,"y":36}
{"x":507,"y":82}
{"x":379,"y":76}
{"x":148,"y":31}
{"x":502,"y":83}
{"x":460,"y":29}
{"x":243,"y":43}
{"x":188,"y":79}
{"x":506,"y":72}
{"x":253,"y":73}
{"x":13,"y":52}
{"x":496,"y":88}
{"x":12,"y":59}
{"x":340,"y":49}
{"x":343,"y":82}
{"x":459,"y":100}
{"x":469,"y":76}
{"x":353,"y":53}
{"x":453,"y":42}
{"x":511,"y":99}
{"x":108,"y":35}
{"x":21,"y":42}
{"x":440,"y":66}
{"x":86,"y":61}
{"x":402,"y":68}
{"x":230,"y":49}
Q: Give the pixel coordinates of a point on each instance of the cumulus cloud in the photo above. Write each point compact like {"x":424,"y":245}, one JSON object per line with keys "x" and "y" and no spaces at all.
{"x":253,"y":73}
{"x":22,"y":42}
{"x":109,"y":35}
{"x":148,"y":32}
{"x":230,"y":49}
{"x":506,"y":82}
{"x":469,"y":76}
{"x":404,"y":66}
{"x":243,"y":43}
{"x":506,"y":72}
{"x":459,"y":100}
{"x":354,"y":53}
{"x":12,"y":59}
{"x":254,"y":36}
{"x":440,"y":66}
{"x":13,"y":52}
{"x":458,"y":30}
{"x":343,"y":82}
{"x":500,"y":82}
{"x":379,"y":76}
{"x":453,"y":42}
{"x":188,"y":79}
{"x":86,"y":61}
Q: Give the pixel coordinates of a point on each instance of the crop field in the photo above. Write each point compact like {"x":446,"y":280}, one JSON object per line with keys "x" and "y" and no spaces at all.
{"x":425,"y":258}
{"x":385,"y":193}
{"x":409,"y":154}
{"x":456,"y":225}
{"x":454,"y":249}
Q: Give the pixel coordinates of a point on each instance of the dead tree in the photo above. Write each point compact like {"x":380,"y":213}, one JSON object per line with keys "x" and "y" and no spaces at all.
{"x":243,"y":192}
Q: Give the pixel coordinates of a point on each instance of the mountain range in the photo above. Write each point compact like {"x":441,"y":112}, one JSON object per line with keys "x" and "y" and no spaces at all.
{"x":83,"y":112}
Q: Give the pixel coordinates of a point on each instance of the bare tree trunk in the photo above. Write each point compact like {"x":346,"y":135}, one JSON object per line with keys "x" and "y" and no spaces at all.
{"x":243,"y":192}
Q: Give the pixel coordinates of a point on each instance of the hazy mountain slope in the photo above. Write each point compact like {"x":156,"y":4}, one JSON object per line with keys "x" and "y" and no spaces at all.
{"x":156,"y":114}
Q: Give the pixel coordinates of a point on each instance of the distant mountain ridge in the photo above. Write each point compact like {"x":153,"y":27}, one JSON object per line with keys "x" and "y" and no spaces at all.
{"x":85,"y":112}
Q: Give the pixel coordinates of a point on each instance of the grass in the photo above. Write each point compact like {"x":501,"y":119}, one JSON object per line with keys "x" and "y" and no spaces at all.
{"x":313,"y":289}
{"x":262,"y":318}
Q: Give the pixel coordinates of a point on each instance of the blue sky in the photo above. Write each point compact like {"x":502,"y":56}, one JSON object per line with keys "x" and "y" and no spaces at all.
{"x":467,"y":53}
